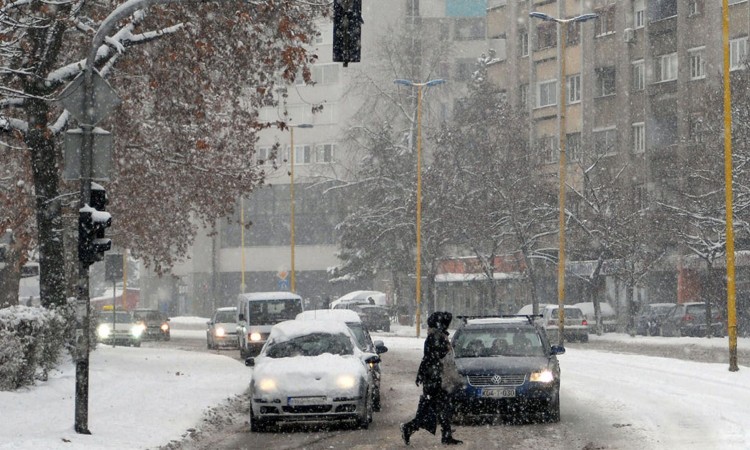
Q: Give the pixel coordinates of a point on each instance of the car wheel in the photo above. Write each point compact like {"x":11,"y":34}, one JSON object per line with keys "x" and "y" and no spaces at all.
{"x":585,"y":338}
{"x":366,"y":417}
{"x":137,"y":344}
{"x":258,"y":425}
{"x":376,"y":400}
{"x":552,"y":413}
{"x":387,"y":328}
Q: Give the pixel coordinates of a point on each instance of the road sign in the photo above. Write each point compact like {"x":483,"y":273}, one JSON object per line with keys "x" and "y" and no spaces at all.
{"x":101,"y":164}
{"x":283,"y":285}
{"x":104,"y":99}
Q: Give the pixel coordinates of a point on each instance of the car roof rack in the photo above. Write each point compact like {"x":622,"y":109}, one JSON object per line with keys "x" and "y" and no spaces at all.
{"x":529,"y":317}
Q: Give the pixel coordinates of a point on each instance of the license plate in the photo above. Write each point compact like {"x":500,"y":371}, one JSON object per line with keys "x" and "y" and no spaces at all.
{"x":303,"y":401}
{"x":499,"y":393}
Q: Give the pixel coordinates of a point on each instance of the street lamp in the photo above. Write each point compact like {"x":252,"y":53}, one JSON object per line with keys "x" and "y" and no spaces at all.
{"x":292,"y":281}
{"x":563,"y":163}
{"x":419,"y":87}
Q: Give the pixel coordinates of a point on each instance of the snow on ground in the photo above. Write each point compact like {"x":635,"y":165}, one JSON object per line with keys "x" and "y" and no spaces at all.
{"x":145,"y":397}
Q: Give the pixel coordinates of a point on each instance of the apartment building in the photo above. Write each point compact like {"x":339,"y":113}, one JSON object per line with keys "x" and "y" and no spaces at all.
{"x":636,"y":80}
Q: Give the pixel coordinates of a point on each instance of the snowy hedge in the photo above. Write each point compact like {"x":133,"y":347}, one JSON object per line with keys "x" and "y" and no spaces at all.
{"x":32,"y":340}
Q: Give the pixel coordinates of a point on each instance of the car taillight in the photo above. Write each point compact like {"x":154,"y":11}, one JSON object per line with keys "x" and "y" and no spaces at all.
{"x":687,"y":318}
{"x":584,"y":322}
{"x":551,"y":322}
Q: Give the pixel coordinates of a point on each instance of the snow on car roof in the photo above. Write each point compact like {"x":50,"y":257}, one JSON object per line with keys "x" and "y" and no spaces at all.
{"x":290,"y":329}
{"x":496,"y":320}
{"x":588,"y":308}
{"x":227,"y":308}
{"x":273,"y":295}
{"x":344,"y":315}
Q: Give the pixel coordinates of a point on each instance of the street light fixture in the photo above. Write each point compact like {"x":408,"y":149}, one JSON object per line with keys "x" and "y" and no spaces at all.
{"x":563,"y":163}
{"x":419,"y":87}
{"x":292,"y":277}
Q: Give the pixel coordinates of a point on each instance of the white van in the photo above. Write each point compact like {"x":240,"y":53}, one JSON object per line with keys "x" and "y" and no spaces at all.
{"x":257,"y":312}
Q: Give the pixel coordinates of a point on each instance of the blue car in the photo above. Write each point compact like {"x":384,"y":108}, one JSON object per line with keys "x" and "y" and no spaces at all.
{"x":510,"y":370}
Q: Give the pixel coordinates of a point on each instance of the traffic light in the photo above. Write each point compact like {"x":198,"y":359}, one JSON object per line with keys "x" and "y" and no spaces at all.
{"x":347,"y":30}
{"x":92,"y":222}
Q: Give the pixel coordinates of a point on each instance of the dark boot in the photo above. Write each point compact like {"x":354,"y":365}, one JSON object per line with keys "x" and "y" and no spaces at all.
{"x":406,"y":432}
{"x":450,"y":441}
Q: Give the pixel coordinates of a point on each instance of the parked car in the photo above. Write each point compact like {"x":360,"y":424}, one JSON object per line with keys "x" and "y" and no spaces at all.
{"x":576,"y":326}
{"x":156,"y":324}
{"x":374,"y":317}
{"x":222,"y":328}
{"x":119,"y":328}
{"x":510,"y":368}
{"x":689,"y":319}
{"x":311,"y":371}
{"x":649,"y":319}
{"x":362,"y":335}
{"x":608,"y":314}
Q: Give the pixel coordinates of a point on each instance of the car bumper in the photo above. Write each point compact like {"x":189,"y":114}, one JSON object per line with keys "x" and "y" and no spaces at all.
{"x":471,"y":401}
{"x":570,"y":334}
{"x":155,"y":334}
{"x":328,"y":411}
{"x":229,"y":340}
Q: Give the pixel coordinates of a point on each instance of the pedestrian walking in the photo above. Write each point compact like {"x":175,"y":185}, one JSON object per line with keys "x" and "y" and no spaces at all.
{"x":435,"y":404}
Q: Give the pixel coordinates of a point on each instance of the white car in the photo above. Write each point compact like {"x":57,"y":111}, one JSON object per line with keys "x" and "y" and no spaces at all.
{"x":119,"y":328}
{"x":311,"y":371}
{"x":222,"y":328}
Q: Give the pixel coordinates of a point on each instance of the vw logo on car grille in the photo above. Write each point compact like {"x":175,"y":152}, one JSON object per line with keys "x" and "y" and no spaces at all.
{"x":497,"y":379}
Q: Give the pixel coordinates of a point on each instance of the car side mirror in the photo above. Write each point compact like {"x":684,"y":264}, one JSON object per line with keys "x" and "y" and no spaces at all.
{"x":372,"y":359}
{"x":241,"y":317}
{"x":380,"y":347}
{"x":250,"y":361}
{"x":557,"y":350}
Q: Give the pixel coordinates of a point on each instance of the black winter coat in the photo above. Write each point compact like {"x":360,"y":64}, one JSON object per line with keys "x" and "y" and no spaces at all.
{"x":436,"y":346}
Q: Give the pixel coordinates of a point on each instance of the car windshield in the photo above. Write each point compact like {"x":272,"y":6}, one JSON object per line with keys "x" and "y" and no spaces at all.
{"x":311,"y":345}
{"x":696,"y":310}
{"x":118,"y":317}
{"x":271,"y":312}
{"x":570,"y":313}
{"x":224,"y":316}
{"x":499,"y":341}
{"x":152,"y":316}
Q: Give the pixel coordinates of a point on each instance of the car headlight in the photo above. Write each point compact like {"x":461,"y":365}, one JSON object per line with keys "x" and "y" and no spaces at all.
{"x":543,"y":376}
{"x":266,"y":384}
{"x":255,"y":337}
{"x":346,"y":381}
{"x":137,"y":330}
{"x":165,"y":327}
{"x":219,"y":332}
{"x":103,"y":331}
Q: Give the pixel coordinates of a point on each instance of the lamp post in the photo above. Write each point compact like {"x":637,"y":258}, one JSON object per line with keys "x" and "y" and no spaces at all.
{"x":563,"y":163}
{"x":292,"y":280}
{"x":419,"y":87}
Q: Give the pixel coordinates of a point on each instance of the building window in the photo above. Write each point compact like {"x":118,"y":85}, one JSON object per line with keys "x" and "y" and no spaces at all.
{"x":605,"y":142}
{"x":302,"y":154}
{"x":573,"y":86}
{"x":661,"y":9}
{"x":605,"y":23}
{"x":697,"y":63}
{"x":737,"y":53}
{"x":546,"y":35}
{"x":523,"y":95}
{"x":639,"y":137}
{"x":605,"y":81}
{"x":573,"y":146}
{"x":263,"y":155}
{"x":665,"y":67}
{"x":639,"y":13}
{"x":694,"y":7}
{"x":546,"y":93}
{"x":523,"y":43}
{"x":696,"y":129}
{"x":324,"y":153}
{"x":639,"y":75}
{"x":325,"y":73}
{"x":470,"y":29}
{"x":464,"y":69}
{"x":548,"y":149}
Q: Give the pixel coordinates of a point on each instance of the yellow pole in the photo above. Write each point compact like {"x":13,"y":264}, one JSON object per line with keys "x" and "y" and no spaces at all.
{"x":731,"y":301}
{"x":419,"y":209}
{"x":242,"y":239}
{"x":563,"y":167}
{"x":291,"y":191}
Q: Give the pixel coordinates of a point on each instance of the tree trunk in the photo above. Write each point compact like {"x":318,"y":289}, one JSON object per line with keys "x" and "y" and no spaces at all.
{"x":48,"y":212}
{"x":10,"y":277}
